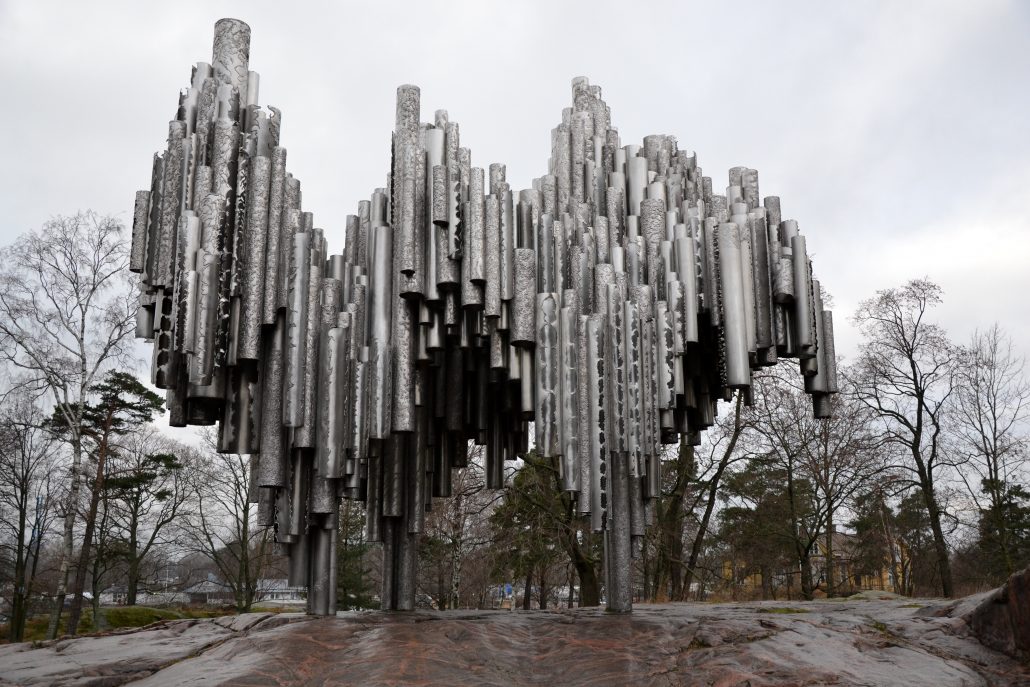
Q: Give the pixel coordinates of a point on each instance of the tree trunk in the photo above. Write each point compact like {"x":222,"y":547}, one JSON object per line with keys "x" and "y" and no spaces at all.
{"x":702,"y":530}
{"x":807,"y":588}
{"x":888,"y":535}
{"x":19,"y":597}
{"x":767,"y":588}
{"x":713,"y":488}
{"x":97,"y":625}
{"x":132,"y":586}
{"x":133,"y":572}
{"x":68,"y":540}
{"x":670,"y":555}
{"x":940,"y":545}
{"x":441,"y":589}
{"x":830,"y":582}
{"x":75,"y":610}
{"x":527,"y":596}
{"x":589,"y":587}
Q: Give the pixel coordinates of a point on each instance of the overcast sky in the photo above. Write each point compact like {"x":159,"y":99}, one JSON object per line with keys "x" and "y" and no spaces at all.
{"x":897,"y":134}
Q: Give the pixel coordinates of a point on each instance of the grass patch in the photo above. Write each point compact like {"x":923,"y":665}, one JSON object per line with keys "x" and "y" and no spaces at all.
{"x":881,"y":628}
{"x":912,"y":606}
{"x":276,"y":609}
{"x":781,"y":609}
{"x":114,"y":618}
{"x":137,"y":616}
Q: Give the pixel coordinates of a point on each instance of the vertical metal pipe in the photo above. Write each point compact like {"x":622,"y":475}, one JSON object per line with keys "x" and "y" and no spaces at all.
{"x":738,"y":374}
{"x":803,"y":310}
{"x":273,"y":245}
{"x":492,"y":258}
{"x":296,"y":329}
{"x":569,"y":398}
{"x":523,"y":309}
{"x":597,"y":420}
{"x":380,"y":388}
{"x":273,"y":452}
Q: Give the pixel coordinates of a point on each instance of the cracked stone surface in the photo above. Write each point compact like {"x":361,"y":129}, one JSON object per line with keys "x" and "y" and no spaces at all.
{"x":859,"y":642}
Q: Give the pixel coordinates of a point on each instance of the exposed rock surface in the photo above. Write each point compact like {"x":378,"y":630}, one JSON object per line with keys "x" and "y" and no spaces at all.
{"x":1002,"y":619}
{"x":854,"y":642}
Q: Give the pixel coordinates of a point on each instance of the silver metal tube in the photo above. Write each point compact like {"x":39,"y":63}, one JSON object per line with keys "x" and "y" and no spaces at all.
{"x":804,"y":319}
{"x":597,"y":420}
{"x":828,"y":353}
{"x":380,"y":321}
{"x":617,"y":369}
{"x":230,"y":54}
{"x":636,"y":183}
{"x":405,"y":213}
{"x":738,"y":373}
{"x":254,"y":268}
{"x":634,"y":379}
{"x":686,"y":269}
{"x":814,"y":369}
{"x":763,"y":291}
{"x":492,"y":260}
{"x":585,"y":501}
{"x":665,"y":357}
{"x":273,"y":244}
{"x":402,"y":417}
{"x":475,"y":250}
{"x":296,"y":329}
{"x":140,"y":218}
{"x":273,"y":451}
{"x":569,"y":400}
{"x":523,"y":308}
{"x":547,"y":411}
{"x":507,"y":244}
{"x":333,"y":378}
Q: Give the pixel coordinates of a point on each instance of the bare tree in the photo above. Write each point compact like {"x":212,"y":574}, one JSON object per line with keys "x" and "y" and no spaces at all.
{"x":905,"y":375}
{"x":455,"y":530}
{"x":993,"y":402}
{"x":837,"y":456}
{"x":28,"y":456}
{"x":222,"y":522}
{"x":65,"y":315}
{"x":721,"y":452}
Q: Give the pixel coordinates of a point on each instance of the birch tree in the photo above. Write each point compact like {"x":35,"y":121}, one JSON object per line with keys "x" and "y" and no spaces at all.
{"x":993,"y":409}
{"x":67,"y":313}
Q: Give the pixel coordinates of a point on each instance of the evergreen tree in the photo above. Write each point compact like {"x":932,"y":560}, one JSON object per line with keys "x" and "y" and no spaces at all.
{"x":353,"y":584}
{"x":123,"y":404}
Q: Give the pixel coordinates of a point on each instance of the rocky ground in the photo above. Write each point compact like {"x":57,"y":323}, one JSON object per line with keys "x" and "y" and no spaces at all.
{"x":853,"y":642}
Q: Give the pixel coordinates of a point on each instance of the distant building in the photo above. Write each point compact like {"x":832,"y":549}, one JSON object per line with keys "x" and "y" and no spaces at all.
{"x":850,"y":573}
{"x":210,"y":592}
{"x":280,"y":591}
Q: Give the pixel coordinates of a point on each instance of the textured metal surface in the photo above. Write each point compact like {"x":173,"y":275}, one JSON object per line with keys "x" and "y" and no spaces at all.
{"x":609,"y":305}
{"x":254,"y":265}
{"x":523,"y":309}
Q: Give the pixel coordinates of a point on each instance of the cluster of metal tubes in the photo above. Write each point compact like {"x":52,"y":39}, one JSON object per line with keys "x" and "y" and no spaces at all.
{"x":595,"y":316}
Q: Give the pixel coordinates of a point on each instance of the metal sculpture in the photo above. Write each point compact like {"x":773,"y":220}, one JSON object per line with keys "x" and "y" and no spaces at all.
{"x":597,"y":315}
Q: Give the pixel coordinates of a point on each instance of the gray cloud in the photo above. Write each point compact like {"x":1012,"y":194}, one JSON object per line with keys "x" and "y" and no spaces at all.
{"x":894,"y":132}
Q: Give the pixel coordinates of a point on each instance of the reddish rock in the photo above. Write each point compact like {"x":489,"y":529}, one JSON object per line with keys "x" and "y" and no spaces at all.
{"x":1002,"y":620}
{"x":854,"y":642}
